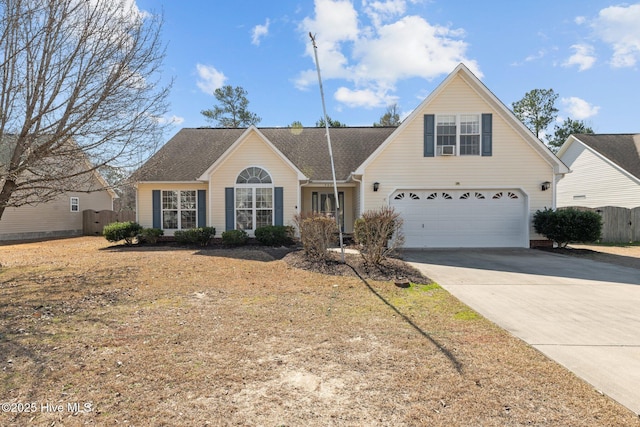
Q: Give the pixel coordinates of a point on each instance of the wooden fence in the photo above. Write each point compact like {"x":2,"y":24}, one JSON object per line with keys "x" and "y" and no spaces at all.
{"x":94,"y":221}
{"x":619,"y":225}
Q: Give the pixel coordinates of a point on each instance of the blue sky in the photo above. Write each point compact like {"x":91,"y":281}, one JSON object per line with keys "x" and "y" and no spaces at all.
{"x":375,"y":53}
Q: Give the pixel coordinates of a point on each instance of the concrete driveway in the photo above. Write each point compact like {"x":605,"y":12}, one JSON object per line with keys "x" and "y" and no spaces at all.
{"x":583,"y":314}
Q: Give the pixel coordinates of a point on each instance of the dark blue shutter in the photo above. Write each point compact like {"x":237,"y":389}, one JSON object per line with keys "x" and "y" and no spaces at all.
{"x":202,"y":208}
{"x":229,"y":208}
{"x":486,"y":134}
{"x":278,"y":201}
{"x":156,"y":208}
{"x":429,"y":135}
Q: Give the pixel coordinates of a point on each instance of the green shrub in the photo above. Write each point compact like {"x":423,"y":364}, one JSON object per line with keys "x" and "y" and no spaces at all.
{"x":150,"y":235}
{"x":126,"y":231}
{"x":317,"y":234}
{"x":195,"y":236}
{"x":379,"y":234}
{"x":235,"y":237}
{"x":274,"y":235}
{"x":564,"y":226}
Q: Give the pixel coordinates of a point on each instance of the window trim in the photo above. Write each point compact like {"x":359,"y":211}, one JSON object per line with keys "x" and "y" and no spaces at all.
{"x":179,"y":209}
{"x":458,"y":134}
{"x":75,"y":205}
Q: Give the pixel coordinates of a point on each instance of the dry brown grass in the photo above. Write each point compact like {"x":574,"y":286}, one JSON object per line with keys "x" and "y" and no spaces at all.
{"x":168,"y":336}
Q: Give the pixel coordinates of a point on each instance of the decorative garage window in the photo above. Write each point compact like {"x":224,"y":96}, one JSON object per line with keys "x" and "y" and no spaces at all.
{"x":179,"y":209}
{"x":253,"y":199}
{"x":75,"y":204}
{"x":509,"y":194}
{"x":445,"y":196}
{"x":475,"y":195}
{"x":412,"y":196}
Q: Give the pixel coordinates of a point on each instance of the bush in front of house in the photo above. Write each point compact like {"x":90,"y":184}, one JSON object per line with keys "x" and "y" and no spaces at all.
{"x":274,"y":235}
{"x":117,"y":231}
{"x":235,"y":237}
{"x":195,"y":236}
{"x":150,"y":235}
{"x":570,"y":225}
{"x":317,"y":234}
{"x":379,"y":234}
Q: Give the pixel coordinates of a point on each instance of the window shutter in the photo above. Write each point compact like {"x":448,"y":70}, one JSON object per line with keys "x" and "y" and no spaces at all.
{"x":156,"y":201}
{"x":487,"y":134}
{"x":202,"y":208}
{"x":429,"y":135}
{"x":279,"y":208}
{"x":229,"y":208}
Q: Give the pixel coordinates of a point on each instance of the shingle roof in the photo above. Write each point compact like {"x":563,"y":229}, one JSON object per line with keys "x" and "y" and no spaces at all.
{"x":190,"y":152}
{"x":621,"y":149}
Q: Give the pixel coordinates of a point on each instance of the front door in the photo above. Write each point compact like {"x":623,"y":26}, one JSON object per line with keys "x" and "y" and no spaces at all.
{"x":325,"y":203}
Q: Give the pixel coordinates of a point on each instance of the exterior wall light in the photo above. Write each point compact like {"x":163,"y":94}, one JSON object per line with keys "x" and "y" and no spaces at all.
{"x":376,"y":185}
{"x":545,"y":186}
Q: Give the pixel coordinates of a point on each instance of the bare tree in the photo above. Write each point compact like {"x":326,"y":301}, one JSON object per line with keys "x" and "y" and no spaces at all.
{"x":79,"y":90}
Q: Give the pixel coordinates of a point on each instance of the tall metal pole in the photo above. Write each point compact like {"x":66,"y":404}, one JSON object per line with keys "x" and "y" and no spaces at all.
{"x":333,"y":168}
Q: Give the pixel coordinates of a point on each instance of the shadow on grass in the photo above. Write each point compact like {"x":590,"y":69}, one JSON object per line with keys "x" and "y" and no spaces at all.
{"x":454,"y":361}
{"x":246,"y":253}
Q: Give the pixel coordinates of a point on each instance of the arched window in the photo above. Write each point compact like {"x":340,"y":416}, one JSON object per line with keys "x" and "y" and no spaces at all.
{"x":254,"y":199}
{"x":254,"y":175}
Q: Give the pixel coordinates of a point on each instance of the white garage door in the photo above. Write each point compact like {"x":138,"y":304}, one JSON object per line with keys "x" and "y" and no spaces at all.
{"x":462,"y":218}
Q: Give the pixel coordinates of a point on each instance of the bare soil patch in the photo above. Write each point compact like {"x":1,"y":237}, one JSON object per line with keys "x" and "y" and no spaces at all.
{"x":151,"y":336}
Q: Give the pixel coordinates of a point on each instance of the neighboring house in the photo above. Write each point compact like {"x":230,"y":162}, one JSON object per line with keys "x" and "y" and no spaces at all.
{"x":605,"y":171}
{"x":461,"y":170}
{"x":60,"y":217}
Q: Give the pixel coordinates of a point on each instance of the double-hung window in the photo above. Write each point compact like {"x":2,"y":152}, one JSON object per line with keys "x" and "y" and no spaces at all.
{"x":179,"y":209}
{"x":458,"y":134}
{"x":74,"y":204}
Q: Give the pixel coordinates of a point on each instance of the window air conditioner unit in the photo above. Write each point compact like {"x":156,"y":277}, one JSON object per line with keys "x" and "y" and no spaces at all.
{"x":447,"y":150}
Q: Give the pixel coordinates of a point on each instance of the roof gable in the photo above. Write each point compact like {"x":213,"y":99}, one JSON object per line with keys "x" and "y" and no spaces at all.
{"x":620,"y":150}
{"x":488,"y":97}
{"x":229,"y":151}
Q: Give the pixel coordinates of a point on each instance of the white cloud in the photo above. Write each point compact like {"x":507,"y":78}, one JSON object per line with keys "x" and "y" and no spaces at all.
{"x":578,"y":108}
{"x":580,"y":20}
{"x":618,"y":26}
{"x":583,"y":57}
{"x":174,"y":120}
{"x":209,"y":79}
{"x":375,"y":58}
{"x":380,"y":11}
{"x":366,"y":98}
{"x":258,"y":32}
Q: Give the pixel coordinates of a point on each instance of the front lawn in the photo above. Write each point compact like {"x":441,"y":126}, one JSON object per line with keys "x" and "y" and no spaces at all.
{"x":169,"y":336}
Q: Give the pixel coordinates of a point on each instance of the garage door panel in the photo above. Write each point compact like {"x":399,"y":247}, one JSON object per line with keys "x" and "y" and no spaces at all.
{"x":462,"y":218}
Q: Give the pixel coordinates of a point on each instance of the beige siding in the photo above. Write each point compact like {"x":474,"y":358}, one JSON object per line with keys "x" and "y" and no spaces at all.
{"x":514,"y":163}
{"x":594,"y":182}
{"x":144,"y":210}
{"x":51,"y":219}
{"x":252,"y":152}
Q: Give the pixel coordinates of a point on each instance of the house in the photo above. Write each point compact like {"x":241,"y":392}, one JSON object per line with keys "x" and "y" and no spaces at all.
{"x":62,"y":215}
{"x":605,"y":171}
{"x":462,"y":170}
